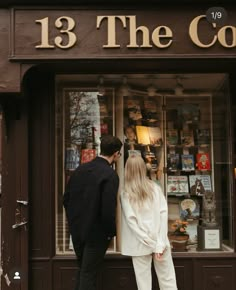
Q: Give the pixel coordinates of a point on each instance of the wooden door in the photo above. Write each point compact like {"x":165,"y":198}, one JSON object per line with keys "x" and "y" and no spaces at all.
{"x":14,"y":196}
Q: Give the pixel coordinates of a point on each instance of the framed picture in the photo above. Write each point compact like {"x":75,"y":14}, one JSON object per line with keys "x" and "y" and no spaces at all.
{"x":209,"y":238}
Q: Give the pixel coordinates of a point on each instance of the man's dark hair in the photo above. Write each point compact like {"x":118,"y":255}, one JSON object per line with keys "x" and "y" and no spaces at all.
{"x":110,"y":145}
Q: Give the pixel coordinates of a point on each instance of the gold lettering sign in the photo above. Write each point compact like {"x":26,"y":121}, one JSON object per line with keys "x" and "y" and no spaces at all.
{"x":58,"y":41}
{"x":111,"y":29}
{"x":193,"y":32}
{"x":220,"y":35}
{"x":133,"y":30}
{"x":156,"y":35}
{"x":160,"y":37}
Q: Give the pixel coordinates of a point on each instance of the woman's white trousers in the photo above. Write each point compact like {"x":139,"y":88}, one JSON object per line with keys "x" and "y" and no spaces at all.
{"x":164,"y":269}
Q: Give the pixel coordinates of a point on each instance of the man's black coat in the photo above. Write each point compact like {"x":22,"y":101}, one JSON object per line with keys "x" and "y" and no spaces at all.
{"x":90,"y":200}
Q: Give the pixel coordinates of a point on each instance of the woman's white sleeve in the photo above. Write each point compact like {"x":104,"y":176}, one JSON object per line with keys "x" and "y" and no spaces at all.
{"x":163,"y":230}
{"x":132,"y":222}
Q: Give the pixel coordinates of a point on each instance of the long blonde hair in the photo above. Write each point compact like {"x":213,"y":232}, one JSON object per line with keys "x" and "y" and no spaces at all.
{"x":138,"y":187}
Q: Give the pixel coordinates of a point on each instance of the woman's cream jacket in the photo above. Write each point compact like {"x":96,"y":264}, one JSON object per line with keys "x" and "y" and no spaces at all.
{"x":144,"y":229}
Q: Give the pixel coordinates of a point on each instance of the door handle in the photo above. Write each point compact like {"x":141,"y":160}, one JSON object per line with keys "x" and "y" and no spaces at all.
{"x":17,"y":225}
{"x":24,"y":202}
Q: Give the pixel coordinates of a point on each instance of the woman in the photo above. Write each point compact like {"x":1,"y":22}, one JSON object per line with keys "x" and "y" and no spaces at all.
{"x":144,"y":227}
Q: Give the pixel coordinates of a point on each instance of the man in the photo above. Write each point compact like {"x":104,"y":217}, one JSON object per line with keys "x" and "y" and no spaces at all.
{"x":90,"y":204}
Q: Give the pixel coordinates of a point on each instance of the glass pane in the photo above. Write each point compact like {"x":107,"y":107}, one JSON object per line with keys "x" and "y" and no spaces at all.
{"x":190,"y":169}
{"x":182,"y":131}
{"x":83,"y":116}
{"x":199,"y":169}
{"x":223,"y":161}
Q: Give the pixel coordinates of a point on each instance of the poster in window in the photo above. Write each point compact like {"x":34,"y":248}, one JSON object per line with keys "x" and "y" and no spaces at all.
{"x":173,"y":162}
{"x":199,"y":184}
{"x":189,"y":209}
{"x":187,"y":162}
{"x":177,"y":185}
{"x":187,"y":138}
{"x":172,"y":137}
{"x":203,"y":161}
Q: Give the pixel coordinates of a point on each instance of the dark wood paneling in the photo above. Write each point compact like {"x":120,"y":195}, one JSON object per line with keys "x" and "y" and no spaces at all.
{"x":64,"y":275}
{"x":118,"y":277}
{"x":40,"y":276}
{"x":9,"y":72}
{"x":184,"y":273}
{"x":117,"y":274}
{"x":215,"y":274}
{"x":113,"y":2}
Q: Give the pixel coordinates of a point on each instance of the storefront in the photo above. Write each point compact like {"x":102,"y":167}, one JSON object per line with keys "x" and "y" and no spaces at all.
{"x":160,"y":78}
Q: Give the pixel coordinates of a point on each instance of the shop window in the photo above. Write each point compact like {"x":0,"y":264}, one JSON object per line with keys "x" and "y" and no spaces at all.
{"x":82,"y":117}
{"x":182,"y":131}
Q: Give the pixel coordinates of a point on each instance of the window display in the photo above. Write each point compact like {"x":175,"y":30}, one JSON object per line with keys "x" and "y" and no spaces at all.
{"x":183,"y":138}
{"x":143,"y":133}
{"x":83,"y":117}
{"x":189,"y":155}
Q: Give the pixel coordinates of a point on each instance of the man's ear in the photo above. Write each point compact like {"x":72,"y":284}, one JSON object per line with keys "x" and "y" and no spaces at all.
{"x":117,"y":154}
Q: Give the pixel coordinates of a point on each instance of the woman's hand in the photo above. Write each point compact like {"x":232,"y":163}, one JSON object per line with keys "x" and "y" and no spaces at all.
{"x":158,"y":256}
